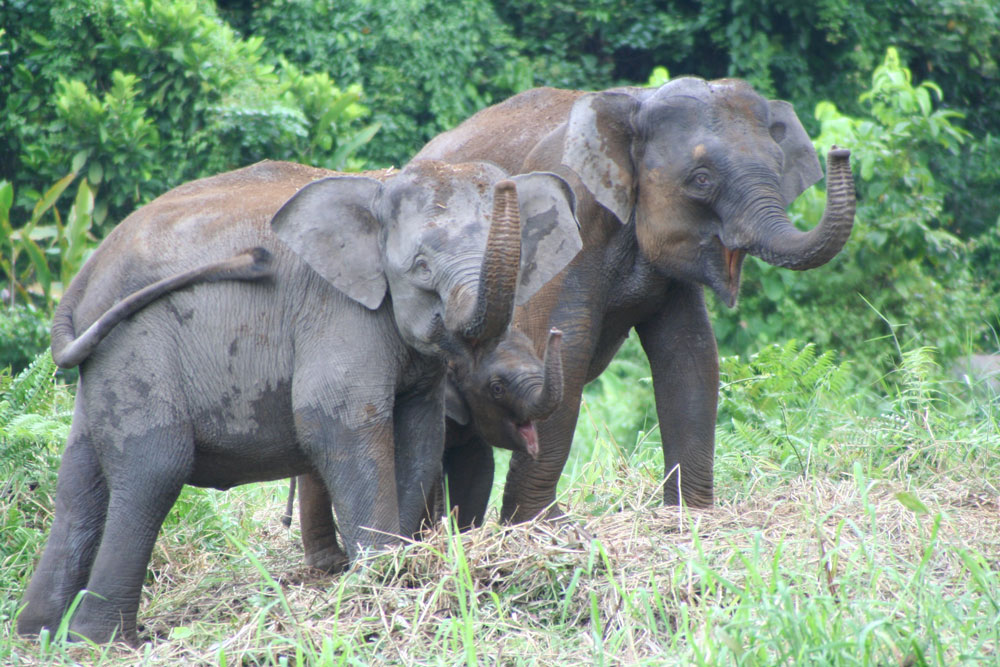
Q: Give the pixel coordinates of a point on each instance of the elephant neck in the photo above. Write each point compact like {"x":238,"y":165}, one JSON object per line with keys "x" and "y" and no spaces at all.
{"x":636,"y":288}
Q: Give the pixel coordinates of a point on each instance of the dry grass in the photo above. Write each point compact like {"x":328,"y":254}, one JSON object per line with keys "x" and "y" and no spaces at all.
{"x":632,"y":586}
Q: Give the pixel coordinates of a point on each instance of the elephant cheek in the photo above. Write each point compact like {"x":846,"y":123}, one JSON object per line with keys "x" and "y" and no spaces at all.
{"x":460,"y":307}
{"x":669,"y":247}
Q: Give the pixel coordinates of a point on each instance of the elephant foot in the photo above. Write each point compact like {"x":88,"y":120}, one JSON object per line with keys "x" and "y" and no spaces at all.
{"x":101,"y":633}
{"x":331,"y":560}
{"x":552,"y":513}
{"x":31,"y":625}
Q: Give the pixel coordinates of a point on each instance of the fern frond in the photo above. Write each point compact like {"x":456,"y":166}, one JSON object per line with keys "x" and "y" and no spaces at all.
{"x":32,"y":391}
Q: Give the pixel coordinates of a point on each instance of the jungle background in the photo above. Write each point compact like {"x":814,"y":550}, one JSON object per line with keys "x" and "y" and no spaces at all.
{"x":850,"y":382}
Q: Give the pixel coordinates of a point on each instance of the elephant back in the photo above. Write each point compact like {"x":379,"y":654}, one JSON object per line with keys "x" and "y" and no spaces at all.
{"x":203,"y":221}
{"x":506,"y":132}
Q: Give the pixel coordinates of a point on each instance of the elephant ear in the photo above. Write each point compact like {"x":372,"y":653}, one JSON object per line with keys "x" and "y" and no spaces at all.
{"x":455,"y":407}
{"x":598,"y":147}
{"x":801,"y":164}
{"x":331,"y":225}
{"x":550,"y":232}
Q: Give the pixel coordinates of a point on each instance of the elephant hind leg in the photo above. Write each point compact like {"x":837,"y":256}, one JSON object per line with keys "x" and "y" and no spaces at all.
{"x":319,"y":532}
{"x":151,"y":472}
{"x":81,"y":506}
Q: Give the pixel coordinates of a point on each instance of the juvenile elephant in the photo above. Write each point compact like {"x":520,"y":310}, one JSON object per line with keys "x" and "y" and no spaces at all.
{"x":494,"y":396}
{"x":675,"y":185}
{"x":320,"y":350}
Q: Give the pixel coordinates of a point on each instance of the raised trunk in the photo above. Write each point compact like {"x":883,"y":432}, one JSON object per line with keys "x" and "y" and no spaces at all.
{"x":778,"y":242}
{"x":552,"y":386}
{"x":501,"y":264}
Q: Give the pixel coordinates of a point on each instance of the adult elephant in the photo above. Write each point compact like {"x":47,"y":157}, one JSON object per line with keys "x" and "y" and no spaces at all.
{"x":675,"y":186}
{"x":218,"y":346}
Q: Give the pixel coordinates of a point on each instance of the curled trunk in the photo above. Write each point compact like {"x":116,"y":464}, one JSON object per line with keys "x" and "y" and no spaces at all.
{"x":501,"y":264}
{"x":552,"y":386}
{"x":779,"y":243}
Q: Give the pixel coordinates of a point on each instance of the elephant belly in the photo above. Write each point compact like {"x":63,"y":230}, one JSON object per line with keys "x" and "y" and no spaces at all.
{"x":261,"y":462}
{"x":246,"y":435}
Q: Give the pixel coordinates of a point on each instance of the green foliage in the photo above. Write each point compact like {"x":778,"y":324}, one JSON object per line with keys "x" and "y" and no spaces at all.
{"x":777,"y":412}
{"x":892,"y":270}
{"x":34,"y":424}
{"x":24,"y":334}
{"x":52,"y":253}
{"x":151,"y":93}
{"x":426,"y":64}
{"x":32,"y":412}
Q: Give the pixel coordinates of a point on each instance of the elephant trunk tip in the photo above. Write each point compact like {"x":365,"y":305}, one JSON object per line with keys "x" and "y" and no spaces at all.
{"x":505,"y":187}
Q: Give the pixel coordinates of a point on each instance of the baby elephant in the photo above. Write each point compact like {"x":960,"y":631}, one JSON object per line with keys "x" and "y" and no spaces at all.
{"x":222,"y":340}
{"x":494,"y":394}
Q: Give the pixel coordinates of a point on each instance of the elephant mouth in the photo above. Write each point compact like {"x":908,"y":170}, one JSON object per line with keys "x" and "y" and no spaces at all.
{"x":733,"y":263}
{"x":529,"y":436}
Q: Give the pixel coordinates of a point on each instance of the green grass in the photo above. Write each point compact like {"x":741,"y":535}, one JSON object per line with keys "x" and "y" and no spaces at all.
{"x":854,"y":525}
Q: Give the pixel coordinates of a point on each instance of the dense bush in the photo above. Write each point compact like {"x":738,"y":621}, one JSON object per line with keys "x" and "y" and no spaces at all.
{"x":152,"y":93}
{"x":24,"y":333}
{"x":425,"y":64}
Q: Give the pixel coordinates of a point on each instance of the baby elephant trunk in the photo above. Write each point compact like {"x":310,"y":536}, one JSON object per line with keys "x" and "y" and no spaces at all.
{"x":552,"y":386}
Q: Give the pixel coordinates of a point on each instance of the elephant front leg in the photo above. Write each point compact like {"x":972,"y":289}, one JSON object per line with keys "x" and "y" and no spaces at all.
{"x":531,"y":485}
{"x":419,"y":428}
{"x":468,"y":471}
{"x":351,"y":450}
{"x":319,"y":531}
{"x":684,"y":361}
{"x":530,"y":489}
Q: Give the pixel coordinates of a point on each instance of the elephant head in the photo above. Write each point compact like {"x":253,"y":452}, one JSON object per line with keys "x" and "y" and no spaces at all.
{"x":451,"y":244}
{"x":504,"y":389}
{"x":706,"y":170}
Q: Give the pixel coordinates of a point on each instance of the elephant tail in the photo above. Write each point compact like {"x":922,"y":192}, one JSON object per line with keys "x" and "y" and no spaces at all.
{"x":286,"y":518}
{"x":70,"y":350}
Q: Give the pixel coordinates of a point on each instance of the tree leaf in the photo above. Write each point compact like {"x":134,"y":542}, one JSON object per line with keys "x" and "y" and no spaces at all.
{"x":50,"y":197}
{"x":6,"y":200}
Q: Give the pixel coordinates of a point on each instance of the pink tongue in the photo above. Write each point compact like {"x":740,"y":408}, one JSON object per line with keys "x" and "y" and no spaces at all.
{"x":530,"y":435}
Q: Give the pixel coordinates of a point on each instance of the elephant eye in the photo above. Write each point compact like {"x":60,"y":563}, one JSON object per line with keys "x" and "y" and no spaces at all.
{"x":701,"y":183}
{"x":497,"y":389}
{"x":421,"y":268}
{"x":701,"y":179}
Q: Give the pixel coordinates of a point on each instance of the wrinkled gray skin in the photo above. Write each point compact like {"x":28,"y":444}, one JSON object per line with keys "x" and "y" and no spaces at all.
{"x":320,"y":348}
{"x":494,"y":395}
{"x":675,"y":186}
